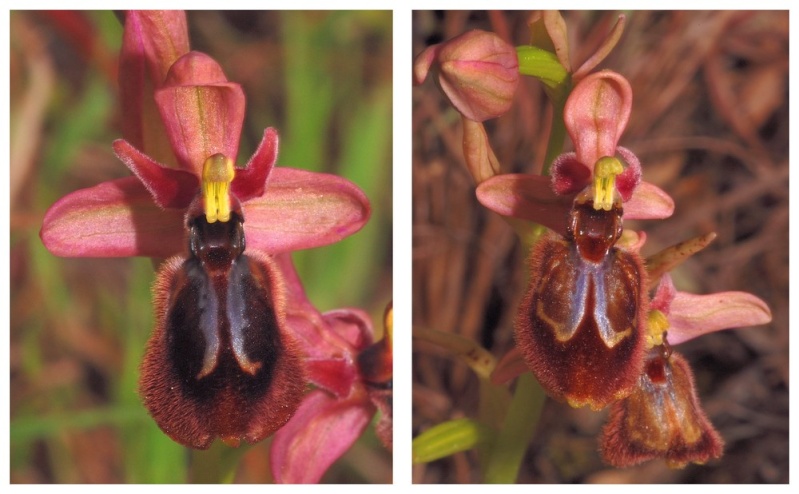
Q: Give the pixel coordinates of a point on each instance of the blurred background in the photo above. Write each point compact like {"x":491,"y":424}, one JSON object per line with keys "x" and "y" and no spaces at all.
{"x":78,"y":326}
{"x":710,"y":125}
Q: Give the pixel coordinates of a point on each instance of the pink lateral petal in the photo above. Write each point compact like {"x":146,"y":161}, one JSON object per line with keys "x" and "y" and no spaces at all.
{"x":569,"y":176}
{"x":169,"y":187}
{"x":321,"y":430}
{"x":114,"y":219}
{"x":302,"y":209}
{"x":648,"y":202}
{"x":695,"y":315}
{"x":250,"y":181}
{"x":596,"y":114}
{"x":664,"y":295}
{"x":630,"y":178}
{"x":529,"y":197}
{"x":203,"y":114}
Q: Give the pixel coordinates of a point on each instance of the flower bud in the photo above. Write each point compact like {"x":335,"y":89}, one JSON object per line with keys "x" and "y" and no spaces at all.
{"x":477,"y":71}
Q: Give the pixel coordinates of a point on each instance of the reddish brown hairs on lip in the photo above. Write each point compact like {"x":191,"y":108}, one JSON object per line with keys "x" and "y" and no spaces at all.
{"x":662,"y":418}
{"x":220,"y":362}
{"x":579,"y":326}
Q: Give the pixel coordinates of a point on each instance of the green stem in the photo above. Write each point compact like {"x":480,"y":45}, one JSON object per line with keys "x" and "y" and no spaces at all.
{"x":508,"y":451}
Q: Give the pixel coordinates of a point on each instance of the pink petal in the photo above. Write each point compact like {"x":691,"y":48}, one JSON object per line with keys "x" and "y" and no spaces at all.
{"x":569,"y":176}
{"x":345,"y":332}
{"x":302,"y":209}
{"x":250,"y":181}
{"x":695,"y":315}
{"x":525,"y":196}
{"x":170,"y":188}
{"x":152,"y":40}
{"x":648,"y":202}
{"x":114,"y":219}
{"x":202,"y":112}
{"x":630,"y":178}
{"x":321,"y":430}
{"x":596,"y":114}
{"x":664,"y":295}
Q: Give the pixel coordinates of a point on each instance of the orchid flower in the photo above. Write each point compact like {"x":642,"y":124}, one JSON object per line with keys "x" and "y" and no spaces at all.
{"x":662,"y":417}
{"x":211,"y":208}
{"x":287,"y":209}
{"x":596,"y":114}
{"x":587,"y":321}
{"x":688,"y":316}
{"x":202,"y":114}
{"x":352,"y":375}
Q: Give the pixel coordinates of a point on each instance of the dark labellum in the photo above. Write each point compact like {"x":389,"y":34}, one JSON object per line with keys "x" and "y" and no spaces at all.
{"x":580,"y":324}
{"x":220,"y":362}
{"x":662,"y":418}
